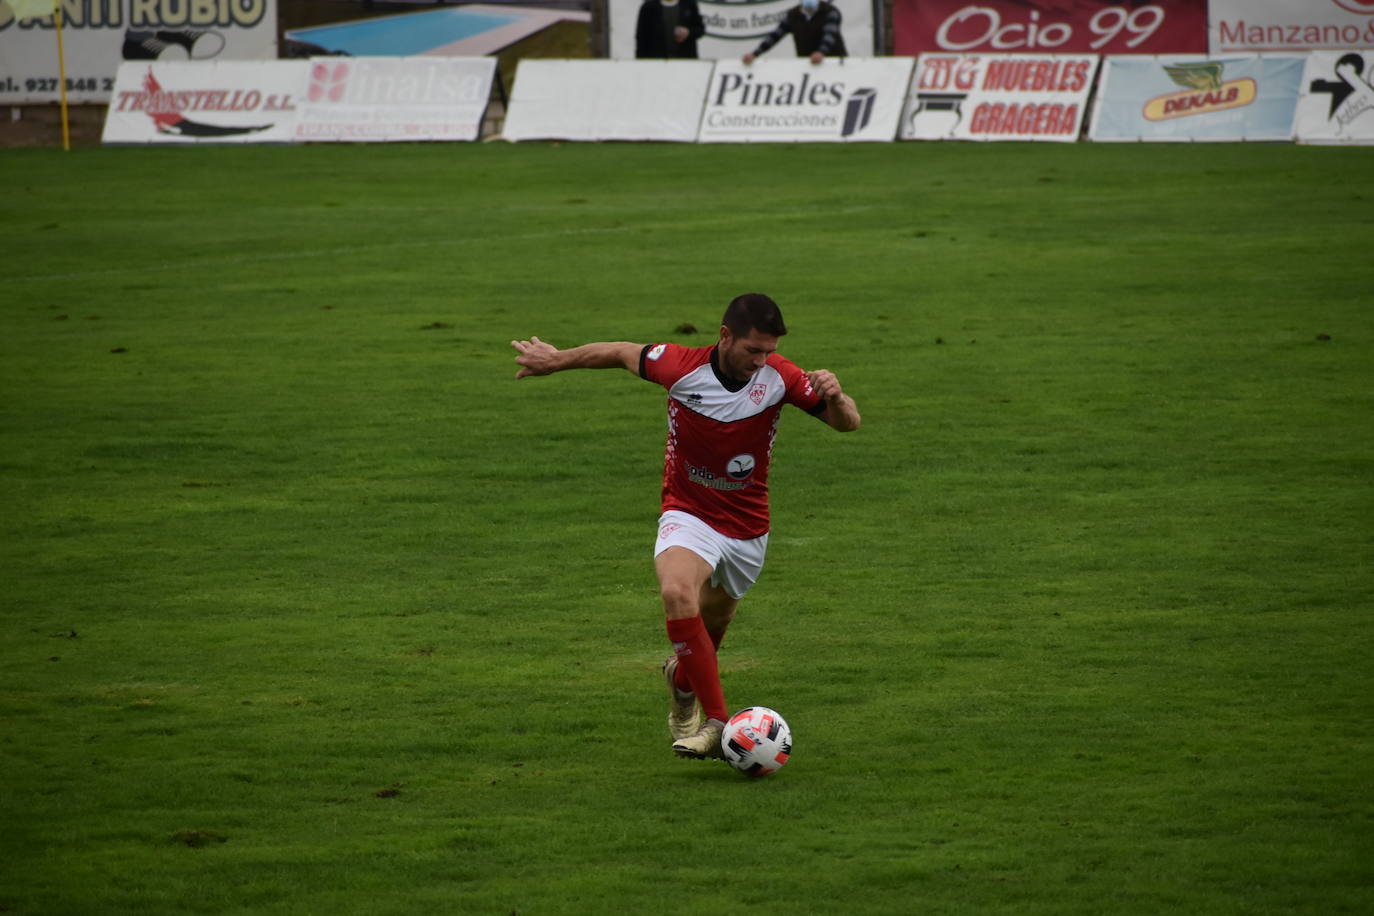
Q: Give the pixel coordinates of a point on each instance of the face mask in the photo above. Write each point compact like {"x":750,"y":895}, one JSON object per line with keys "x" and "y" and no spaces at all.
{"x":809,"y":6}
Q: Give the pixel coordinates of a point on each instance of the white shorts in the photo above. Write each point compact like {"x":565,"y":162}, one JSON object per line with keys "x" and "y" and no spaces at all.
{"x":735,"y":564}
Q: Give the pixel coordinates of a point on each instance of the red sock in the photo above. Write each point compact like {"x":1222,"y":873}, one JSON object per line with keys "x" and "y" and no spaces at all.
{"x":680,"y":673}
{"x":697,"y":657}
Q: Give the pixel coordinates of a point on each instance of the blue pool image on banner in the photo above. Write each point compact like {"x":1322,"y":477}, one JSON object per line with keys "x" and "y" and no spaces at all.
{"x":1178,"y":98}
{"x":404,"y":35}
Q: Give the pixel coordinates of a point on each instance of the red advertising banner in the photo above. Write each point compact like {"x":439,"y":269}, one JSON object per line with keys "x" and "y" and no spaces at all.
{"x":1059,"y":26}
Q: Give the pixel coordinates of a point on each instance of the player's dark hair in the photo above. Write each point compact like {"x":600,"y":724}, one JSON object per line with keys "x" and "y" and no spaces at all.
{"x":754,"y":312}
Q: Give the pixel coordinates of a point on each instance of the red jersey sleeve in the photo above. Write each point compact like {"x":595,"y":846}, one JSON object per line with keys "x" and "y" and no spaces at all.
{"x":665,"y":363}
{"x":798,"y":391}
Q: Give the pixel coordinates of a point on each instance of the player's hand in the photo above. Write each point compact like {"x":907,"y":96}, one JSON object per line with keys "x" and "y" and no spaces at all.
{"x":536,"y":357}
{"x":840,"y":412}
{"x":824,"y":383}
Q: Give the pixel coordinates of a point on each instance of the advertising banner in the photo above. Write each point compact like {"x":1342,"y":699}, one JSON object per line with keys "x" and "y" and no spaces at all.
{"x":204,"y":102}
{"x":607,"y":100}
{"x":998,"y":97}
{"x":1337,"y":100}
{"x":1253,"y":97}
{"x":98,"y":35}
{"x":794,"y":100}
{"x":1290,"y":25}
{"x":381,"y":99}
{"x":735,"y":27}
{"x":1079,"y":27}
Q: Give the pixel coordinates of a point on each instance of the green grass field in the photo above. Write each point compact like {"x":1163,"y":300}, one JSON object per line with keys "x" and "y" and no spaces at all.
{"x":310,"y":608}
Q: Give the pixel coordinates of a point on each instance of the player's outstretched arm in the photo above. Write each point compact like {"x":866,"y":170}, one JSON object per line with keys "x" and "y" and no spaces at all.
{"x":540,"y":358}
{"x":840,"y":410}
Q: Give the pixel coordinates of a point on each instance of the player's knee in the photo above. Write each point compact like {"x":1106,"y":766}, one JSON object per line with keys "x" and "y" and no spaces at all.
{"x":679,"y":600}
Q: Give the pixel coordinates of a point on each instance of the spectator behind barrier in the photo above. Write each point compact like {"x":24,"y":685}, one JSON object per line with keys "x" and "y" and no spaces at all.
{"x":815,"y":28}
{"x":668,"y":29}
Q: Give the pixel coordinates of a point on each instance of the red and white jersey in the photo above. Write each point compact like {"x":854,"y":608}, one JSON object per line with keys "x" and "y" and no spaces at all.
{"x":720,"y":433}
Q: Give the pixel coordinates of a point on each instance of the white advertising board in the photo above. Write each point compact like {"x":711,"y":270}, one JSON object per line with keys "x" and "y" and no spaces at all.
{"x":1184,"y":98}
{"x":389,"y":99}
{"x":607,"y":100}
{"x":1337,"y":100}
{"x":998,"y":97}
{"x":324,"y":99}
{"x":734,"y":27}
{"x":99,"y":35}
{"x":1289,"y":25}
{"x":793,"y":100}
{"x":204,"y":102}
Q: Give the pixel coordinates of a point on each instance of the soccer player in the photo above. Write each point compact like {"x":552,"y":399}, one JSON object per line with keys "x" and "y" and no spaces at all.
{"x":724,"y":403}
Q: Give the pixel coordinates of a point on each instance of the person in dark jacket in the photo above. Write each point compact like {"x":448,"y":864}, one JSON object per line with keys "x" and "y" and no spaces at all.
{"x":815,"y":28}
{"x":668,"y":28}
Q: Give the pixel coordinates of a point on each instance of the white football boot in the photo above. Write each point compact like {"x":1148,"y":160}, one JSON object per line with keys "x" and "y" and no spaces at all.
{"x":704,"y":745}
{"x":684,"y":719}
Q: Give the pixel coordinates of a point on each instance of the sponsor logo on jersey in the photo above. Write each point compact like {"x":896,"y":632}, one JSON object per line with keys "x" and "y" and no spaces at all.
{"x":657,"y":351}
{"x":708,"y":479}
{"x":740,"y":466}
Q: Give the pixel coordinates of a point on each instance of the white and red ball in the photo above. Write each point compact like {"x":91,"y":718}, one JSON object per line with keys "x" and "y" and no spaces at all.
{"x":756,"y":741}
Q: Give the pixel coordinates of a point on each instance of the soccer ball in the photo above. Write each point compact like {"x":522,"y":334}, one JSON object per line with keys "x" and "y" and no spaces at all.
{"x":756,"y":741}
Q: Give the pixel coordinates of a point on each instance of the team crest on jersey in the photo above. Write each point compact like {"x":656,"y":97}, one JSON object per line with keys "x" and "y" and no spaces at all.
{"x":757,"y":392}
{"x":657,"y":351}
